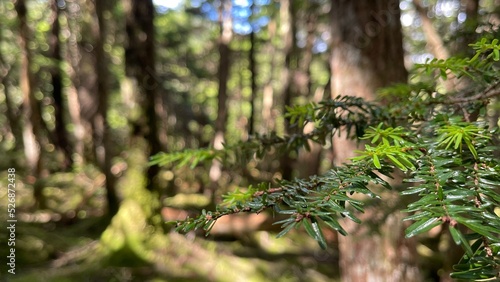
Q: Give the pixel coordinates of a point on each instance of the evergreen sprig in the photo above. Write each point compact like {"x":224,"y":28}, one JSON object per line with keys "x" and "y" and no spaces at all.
{"x":419,"y":134}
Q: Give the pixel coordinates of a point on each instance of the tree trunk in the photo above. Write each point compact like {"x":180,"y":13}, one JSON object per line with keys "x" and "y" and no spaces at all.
{"x":81,"y":46}
{"x":368,"y":54}
{"x":32,"y":127}
{"x":226,"y":35}
{"x":288,"y":30}
{"x":101,"y":126}
{"x":268,"y":90}
{"x":61,"y":134}
{"x":253,"y":83}
{"x":73,"y":58}
{"x":434,"y":41}
{"x":140,"y":64}
{"x":304,"y":76}
{"x":309,"y":160}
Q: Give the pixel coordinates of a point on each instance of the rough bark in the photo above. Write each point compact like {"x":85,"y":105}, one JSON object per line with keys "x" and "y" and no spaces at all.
{"x":367,"y":54}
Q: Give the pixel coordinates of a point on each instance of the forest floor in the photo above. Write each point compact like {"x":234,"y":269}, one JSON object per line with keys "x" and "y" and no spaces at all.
{"x":69,"y":239}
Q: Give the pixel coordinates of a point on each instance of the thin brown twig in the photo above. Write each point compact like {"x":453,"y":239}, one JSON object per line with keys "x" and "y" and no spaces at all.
{"x":490,"y":92}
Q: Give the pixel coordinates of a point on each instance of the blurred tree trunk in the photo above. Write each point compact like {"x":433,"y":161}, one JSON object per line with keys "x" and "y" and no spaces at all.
{"x":434,"y":40}
{"x":226,"y":35}
{"x":140,"y":66}
{"x":304,"y":65}
{"x":435,"y":44}
{"x":368,"y":54}
{"x":268,"y":89}
{"x":83,"y":24}
{"x":467,"y":34}
{"x":309,"y":160}
{"x":288,"y":32}
{"x":253,"y":82}
{"x":61,"y":134}
{"x":32,"y":127}
{"x":73,"y":55}
{"x":88,"y":96}
{"x":101,"y":127}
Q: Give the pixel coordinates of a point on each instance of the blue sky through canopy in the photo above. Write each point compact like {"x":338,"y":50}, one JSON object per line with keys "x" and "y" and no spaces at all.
{"x":241,"y":12}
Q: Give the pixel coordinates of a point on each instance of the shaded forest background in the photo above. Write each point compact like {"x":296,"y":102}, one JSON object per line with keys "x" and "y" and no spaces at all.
{"x":90,"y":90}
